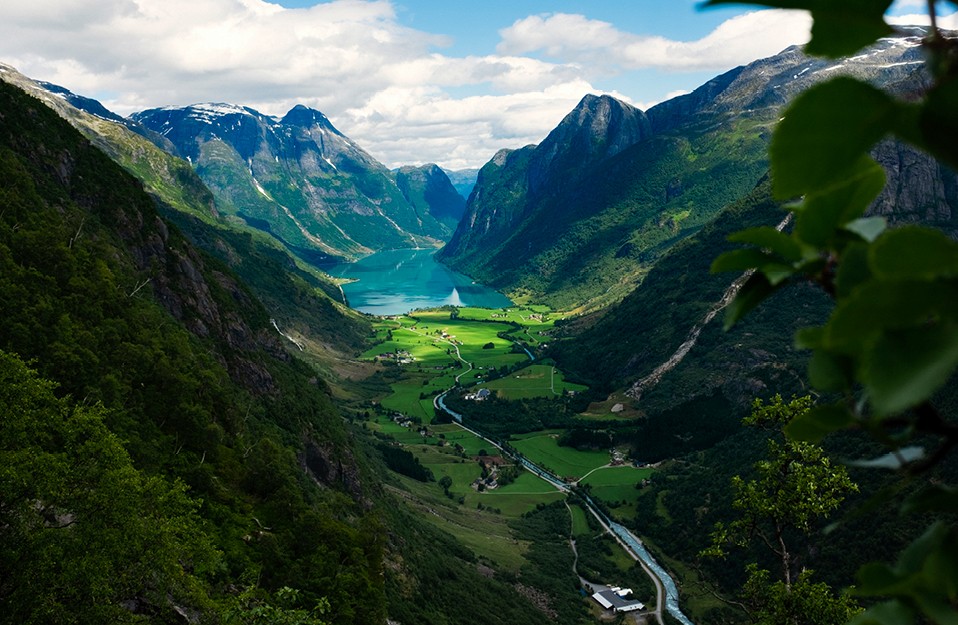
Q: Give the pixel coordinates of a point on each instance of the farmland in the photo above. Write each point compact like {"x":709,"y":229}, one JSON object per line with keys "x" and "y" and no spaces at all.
{"x":428,"y":352}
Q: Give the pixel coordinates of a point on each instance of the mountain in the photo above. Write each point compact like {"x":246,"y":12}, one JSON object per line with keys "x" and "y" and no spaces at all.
{"x":302,"y":301}
{"x":578,"y":220}
{"x":464,"y":180}
{"x":430,"y":191}
{"x":297,"y":177}
{"x":162,"y":449}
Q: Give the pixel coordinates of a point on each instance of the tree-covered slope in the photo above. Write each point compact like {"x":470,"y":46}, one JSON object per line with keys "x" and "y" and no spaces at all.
{"x":168,"y":350}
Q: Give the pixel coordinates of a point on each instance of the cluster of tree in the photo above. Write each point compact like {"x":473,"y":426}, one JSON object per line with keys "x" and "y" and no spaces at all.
{"x":501,"y":417}
{"x":404,"y":462}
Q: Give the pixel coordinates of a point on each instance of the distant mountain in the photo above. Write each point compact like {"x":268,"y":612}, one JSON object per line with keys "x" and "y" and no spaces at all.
{"x":297,"y":177}
{"x":578,"y":220}
{"x":430,"y":191}
{"x":464,"y":180}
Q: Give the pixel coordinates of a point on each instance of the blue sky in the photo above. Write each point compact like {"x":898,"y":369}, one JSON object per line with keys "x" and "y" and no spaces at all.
{"x":411,"y":81}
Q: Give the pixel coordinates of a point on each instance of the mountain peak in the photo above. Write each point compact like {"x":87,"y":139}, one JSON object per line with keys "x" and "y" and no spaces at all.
{"x":599,"y":127}
{"x":305,"y":117}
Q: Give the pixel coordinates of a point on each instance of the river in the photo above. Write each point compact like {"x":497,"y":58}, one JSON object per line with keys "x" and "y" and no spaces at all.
{"x":394,"y":282}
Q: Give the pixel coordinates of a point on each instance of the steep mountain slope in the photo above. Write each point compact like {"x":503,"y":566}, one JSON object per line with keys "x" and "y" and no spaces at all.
{"x":239,"y":461}
{"x":297,"y":177}
{"x":301,"y":300}
{"x":625,"y":343}
{"x":431,"y":192}
{"x":580,"y":218}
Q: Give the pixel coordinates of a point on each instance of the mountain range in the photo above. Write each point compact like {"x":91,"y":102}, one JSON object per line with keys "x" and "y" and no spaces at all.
{"x":579,"y":220}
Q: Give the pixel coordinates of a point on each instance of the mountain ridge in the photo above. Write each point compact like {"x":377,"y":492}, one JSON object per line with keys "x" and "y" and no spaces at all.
{"x":580,"y":226}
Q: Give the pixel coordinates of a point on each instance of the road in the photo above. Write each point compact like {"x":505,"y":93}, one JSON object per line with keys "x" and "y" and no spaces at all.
{"x":666,"y":591}
{"x":665,"y":587}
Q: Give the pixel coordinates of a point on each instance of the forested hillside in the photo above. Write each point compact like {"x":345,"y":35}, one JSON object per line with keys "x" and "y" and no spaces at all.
{"x":234,"y":470}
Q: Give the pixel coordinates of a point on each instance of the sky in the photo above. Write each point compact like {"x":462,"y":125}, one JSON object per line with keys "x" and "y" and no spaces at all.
{"x":411,"y":81}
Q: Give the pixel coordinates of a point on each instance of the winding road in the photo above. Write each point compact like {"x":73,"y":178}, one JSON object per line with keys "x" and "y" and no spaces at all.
{"x":664,"y":585}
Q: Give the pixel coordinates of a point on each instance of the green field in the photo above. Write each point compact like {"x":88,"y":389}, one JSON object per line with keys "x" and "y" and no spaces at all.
{"x":580,"y":522}
{"x":533,"y":381}
{"x":617,"y":484}
{"x":566,"y":462}
{"x":434,"y":348}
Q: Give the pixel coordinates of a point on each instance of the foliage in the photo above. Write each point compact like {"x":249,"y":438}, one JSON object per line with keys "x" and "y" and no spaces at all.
{"x":802,"y":601}
{"x":97,"y":533}
{"x":795,"y":487}
{"x":891,"y":342}
{"x":402,"y":461}
{"x":175,"y":358}
{"x":255,"y":607}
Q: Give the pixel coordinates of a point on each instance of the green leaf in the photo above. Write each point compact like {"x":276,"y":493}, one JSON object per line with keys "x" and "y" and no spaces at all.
{"x":888,"y":613}
{"x":824,"y":211}
{"x":752,"y":293}
{"x":914,"y":253}
{"x":912,"y":559}
{"x":853,"y":269}
{"x":771,"y":239}
{"x":840,"y":28}
{"x":868,"y":228}
{"x":818,"y":422}
{"x":829,"y":372}
{"x":843,"y":28}
{"x":876,"y":307}
{"x":826,"y":132}
{"x":777,"y":273}
{"x":906,"y":367}
{"x":809,"y":338}
{"x":876,"y":578}
{"x":938,"y":122}
{"x":741,"y":260}
{"x":938,"y":498}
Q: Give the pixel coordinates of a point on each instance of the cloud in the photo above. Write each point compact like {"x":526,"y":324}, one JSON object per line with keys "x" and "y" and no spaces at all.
{"x":389,"y":87}
{"x":576,"y":39}
{"x":946,"y":22}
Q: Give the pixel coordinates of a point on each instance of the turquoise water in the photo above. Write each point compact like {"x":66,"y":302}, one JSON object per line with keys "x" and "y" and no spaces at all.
{"x":397,"y":281}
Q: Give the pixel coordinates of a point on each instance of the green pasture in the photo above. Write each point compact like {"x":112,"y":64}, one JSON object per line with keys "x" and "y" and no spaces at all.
{"x":580,"y":521}
{"x":617,"y":483}
{"x":545,"y":451}
{"x":471,"y":443}
{"x":516,"y":504}
{"x":405,"y":399}
{"x":533,"y":381}
{"x":485,"y":533}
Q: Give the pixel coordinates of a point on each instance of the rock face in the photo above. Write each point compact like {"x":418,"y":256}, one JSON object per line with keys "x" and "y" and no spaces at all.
{"x":297,"y":177}
{"x":580,"y":218}
{"x":428,"y":189}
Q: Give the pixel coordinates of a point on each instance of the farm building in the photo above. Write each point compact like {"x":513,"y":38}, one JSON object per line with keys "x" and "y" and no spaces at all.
{"x":615,"y":599}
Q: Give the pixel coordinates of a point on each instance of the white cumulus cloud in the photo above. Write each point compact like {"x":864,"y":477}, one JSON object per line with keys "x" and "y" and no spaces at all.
{"x":389,"y":87}
{"x":577,"y":39}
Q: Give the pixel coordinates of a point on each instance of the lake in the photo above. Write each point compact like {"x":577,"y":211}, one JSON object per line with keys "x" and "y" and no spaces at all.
{"x":397,"y":281}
